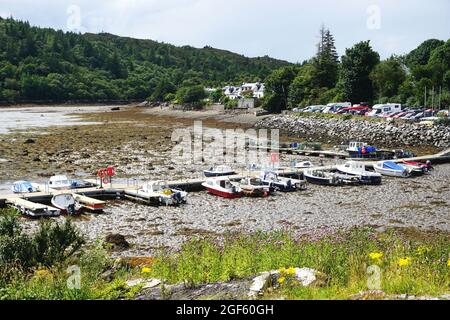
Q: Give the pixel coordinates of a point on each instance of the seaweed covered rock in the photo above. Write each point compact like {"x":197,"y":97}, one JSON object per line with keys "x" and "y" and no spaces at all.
{"x":116,"y":241}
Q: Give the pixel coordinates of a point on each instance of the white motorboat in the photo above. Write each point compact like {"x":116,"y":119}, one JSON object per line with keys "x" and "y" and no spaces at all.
{"x":165,"y":195}
{"x":59,"y":182}
{"x":329,"y":178}
{"x":254,"y":187}
{"x":390,"y":168}
{"x":304,"y":165}
{"x":66,"y":203}
{"x":219,"y":171}
{"x":272,"y":179}
{"x":358,"y":169}
{"x":222,"y":187}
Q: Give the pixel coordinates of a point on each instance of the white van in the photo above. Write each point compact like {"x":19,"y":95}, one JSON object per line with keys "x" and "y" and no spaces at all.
{"x":334,"y":107}
{"x":380,"y":110}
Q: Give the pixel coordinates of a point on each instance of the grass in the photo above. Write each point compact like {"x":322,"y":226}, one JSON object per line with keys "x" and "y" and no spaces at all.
{"x":411,"y":262}
{"x":344,"y":259}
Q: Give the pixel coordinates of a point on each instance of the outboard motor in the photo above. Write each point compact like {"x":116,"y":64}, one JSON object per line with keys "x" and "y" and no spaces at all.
{"x":71,"y":209}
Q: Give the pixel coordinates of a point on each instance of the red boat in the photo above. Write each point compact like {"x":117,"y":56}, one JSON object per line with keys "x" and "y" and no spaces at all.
{"x":222,"y":187}
{"x":418,"y":166}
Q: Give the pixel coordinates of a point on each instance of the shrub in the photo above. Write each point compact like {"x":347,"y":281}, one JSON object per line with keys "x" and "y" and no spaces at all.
{"x":51,"y":244}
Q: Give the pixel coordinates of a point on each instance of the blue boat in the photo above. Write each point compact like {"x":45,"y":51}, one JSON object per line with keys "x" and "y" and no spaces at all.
{"x":23,"y":187}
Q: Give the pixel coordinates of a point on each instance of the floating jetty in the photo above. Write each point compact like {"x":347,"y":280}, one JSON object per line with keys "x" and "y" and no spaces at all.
{"x":34,"y":204}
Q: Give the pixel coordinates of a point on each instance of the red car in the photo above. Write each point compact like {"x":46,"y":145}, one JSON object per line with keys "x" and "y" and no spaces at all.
{"x":356,"y":109}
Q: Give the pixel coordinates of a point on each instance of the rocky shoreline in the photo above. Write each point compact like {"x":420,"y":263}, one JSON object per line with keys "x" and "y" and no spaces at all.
{"x":380,"y":133}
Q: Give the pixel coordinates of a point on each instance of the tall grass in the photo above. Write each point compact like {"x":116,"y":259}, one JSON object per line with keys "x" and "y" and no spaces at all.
{"x":344,"y":259}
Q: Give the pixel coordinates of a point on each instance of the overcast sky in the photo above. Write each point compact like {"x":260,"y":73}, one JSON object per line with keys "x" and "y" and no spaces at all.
{"x":284,"y":29}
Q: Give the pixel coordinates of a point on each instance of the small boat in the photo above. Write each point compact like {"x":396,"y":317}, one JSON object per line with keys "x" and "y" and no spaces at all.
{"x":271,"y":179}
{"x":165,"y":195}
{"x":392,"y":169}
{"x":304,"y":165}
{"x":219,"y":171}
{"x":254,"y":187}
{"x":222,"y":187}
{"x":330,"y":178}
{"x":66,"y":203}
{"x":418,"y":167}
{"x":59,"y":182}
{"x":355,"y":168}
{"x":23,"y":187}
{"x":361,"y":150}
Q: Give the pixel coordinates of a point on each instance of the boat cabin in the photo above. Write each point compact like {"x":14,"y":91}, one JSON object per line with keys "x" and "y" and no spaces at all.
{"x":59,"y":181}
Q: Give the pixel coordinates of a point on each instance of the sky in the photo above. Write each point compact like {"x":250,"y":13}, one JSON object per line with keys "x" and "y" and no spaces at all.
{"x":283,"y":29}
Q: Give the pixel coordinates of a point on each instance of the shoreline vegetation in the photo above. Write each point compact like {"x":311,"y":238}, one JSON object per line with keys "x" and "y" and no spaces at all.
{"x":413,"y":264}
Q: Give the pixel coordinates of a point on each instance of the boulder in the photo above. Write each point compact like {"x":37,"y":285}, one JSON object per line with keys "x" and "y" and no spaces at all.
{"x":117,"y":241}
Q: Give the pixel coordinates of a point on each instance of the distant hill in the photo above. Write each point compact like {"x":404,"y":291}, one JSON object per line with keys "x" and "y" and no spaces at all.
{"x":46,"y":64}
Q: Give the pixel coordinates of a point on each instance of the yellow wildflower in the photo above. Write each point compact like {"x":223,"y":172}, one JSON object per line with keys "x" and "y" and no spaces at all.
{"x":290,"y":271}
{"x":448,"y":262}
{"x":146,"y":270}
{"x":42,"y":273}
{"x":281,"y":280}
{"x":404,"y":262}
{"x":421,"y":250}
{"x":376,"y":256}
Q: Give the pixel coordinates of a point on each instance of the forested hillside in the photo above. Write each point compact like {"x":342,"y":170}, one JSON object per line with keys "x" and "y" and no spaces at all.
{"x":45,"y":64}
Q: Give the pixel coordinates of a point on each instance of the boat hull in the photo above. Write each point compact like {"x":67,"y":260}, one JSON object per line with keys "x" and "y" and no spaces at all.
{"x":211,"y":174}
{"x":224,"y":194}
{"x":391,"y":173}
{"x":363,"y":178}
{"x":321,"y":181}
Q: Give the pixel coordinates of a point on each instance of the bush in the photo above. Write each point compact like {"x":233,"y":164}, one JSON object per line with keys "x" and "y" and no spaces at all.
{"x":51,"y":244}
{"x":443,"y":121}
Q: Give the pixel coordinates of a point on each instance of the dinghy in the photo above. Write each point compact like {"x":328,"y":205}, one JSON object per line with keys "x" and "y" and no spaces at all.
{"x":23,"y":187}
{"x":254,"y":187}
{"x":222,"y":187}
{"x":66,"y":203}
{"x":271,"y":179}
{"x":304,"y":165}
{"x":355,"y":168}
{"x":392,"y":169}
{"x":165,"y":195}
{"x":417,"y":167}
{"x":329,"y":178}
{"x":218,"y":171}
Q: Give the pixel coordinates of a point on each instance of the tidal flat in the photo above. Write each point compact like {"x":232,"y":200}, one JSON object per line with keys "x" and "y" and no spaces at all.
{"x":138,"y":143}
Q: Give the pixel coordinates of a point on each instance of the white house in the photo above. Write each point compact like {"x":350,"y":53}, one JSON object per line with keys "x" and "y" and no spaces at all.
{"x":236,"y":92}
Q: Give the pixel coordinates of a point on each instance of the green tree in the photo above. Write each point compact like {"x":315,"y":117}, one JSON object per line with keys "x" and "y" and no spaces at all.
{"x":387,"y":77}
{"x":356,"y":66}
{"x":277,"y":88}
{"x":326,"y":64}
{"x":421,"y":55}
{"x":163,"y":88}
{"x":192,"y":95}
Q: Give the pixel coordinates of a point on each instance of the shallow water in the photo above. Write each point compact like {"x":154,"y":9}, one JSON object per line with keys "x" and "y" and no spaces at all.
{"x":14,"y":119}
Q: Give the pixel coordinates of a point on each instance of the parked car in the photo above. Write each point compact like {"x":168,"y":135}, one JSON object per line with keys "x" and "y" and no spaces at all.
{"x":381,"y":110}
{"x":335,"y":107}
{"x":355,"y":110}
{"x":317,"y":108}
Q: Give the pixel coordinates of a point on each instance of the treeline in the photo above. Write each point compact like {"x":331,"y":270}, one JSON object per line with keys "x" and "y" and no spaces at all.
{"x":360,"y":76}
{"x":45,"y":64}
